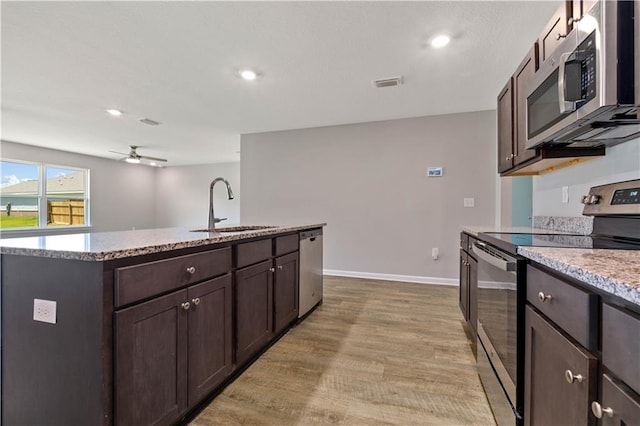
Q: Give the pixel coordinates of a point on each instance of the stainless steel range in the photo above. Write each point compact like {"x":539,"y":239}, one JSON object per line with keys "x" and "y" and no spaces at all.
{"x":501,"y":291}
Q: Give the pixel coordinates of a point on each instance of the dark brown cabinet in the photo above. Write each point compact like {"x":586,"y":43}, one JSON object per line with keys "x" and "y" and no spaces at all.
{"x":505,"y":127}
{"x":560,"y":376}
{"x":555,"y":31}
{"x":468,"y":296}
{"x":524,"y":73}
{"x":618,"y":406}
{"x":253,"y":308}
{"x":151,"y":361}
{"x":285,"y":290}
{"x":172,"y":351}
{"x":464,"y":285}
{"x":210,"y":336}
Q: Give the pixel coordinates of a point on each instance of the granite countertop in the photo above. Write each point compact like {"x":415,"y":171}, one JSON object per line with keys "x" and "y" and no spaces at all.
{"x":614,"y":271}
{"x":475,"y":230}
{"x":101,"y":246}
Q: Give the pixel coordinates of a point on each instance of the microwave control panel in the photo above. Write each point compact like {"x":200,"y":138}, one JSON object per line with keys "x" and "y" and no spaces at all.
{"x":580,"y":72}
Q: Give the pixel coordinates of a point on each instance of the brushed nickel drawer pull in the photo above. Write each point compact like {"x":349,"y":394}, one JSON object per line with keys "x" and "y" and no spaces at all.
{"x":191,"y":270}
{"x":279,"y":266}
{"x":196,"y":301}
{"x":186,"y":306}
{"x":570,"y":377}
{"x":544,"y":297}
{"x":272,"y":269}
{"x":598,"y":411}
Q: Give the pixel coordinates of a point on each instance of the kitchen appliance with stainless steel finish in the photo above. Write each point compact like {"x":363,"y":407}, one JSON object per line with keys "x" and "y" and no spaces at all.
{"x":310,"y":292}
{"x":502,"y":288}
{"x":584,"y":94}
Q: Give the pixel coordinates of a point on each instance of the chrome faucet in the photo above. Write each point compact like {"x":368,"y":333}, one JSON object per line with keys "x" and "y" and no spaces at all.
{"x":212,"y":219}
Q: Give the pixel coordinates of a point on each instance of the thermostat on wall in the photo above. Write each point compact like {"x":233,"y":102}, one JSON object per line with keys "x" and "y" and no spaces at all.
{"x":434,"y":171}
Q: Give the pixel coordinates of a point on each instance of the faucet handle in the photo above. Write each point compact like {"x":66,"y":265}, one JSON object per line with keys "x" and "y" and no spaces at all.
{"x":218,"y":220}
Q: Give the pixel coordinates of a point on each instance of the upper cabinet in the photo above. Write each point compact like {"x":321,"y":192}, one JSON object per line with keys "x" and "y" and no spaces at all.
{"x":524,"y":73}
{"x":505,"y":128}
{"x":556,"y":30}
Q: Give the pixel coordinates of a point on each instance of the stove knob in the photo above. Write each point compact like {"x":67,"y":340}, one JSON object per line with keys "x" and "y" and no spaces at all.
{"x":585,"y":199}
{"x":594,"y":199}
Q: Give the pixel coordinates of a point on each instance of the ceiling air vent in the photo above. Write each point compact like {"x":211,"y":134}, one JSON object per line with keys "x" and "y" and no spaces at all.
{"x":387,"y":82}
{"x":149,"y":121}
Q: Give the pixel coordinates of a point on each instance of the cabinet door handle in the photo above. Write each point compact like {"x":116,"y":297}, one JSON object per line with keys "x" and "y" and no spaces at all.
{"x":186,"y":306}
{"x":272,"y":269}
{"x":544,"y":297}
{"x":570,"y":377}
{"x":598,"y":411}
{"x":195,"y":301}
{"x":191,"y":270}
{"x":279,"y":266}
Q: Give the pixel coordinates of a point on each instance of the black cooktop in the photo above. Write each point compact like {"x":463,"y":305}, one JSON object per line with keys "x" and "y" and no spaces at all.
{"x":510,"y":242}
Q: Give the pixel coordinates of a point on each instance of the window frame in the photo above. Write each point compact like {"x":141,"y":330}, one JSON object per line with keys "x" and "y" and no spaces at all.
{"x":43,"y":226}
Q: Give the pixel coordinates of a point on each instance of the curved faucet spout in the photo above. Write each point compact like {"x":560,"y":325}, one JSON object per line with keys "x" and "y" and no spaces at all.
{"x":212,"y":219}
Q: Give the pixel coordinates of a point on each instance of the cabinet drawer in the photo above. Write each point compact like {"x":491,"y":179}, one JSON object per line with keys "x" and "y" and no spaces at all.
{"x":254,"y":252}
{"x":464,"y":240}
{"x":286,"y":244}
{"x":137,"y":282}
{"x":621,"y":345}
{"x":572,"y":309}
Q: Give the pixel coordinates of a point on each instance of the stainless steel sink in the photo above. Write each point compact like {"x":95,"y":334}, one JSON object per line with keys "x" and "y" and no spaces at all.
{"x":236,"y":228}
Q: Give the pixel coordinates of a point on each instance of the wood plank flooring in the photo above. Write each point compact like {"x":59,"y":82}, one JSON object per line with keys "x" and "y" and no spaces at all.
{"x":375,"y":353}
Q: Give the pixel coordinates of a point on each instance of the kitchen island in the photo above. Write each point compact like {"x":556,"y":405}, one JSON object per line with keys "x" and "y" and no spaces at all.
{"x":146,"y":324}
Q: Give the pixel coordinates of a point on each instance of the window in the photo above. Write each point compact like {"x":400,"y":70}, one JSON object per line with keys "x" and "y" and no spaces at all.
{"x":36,"y":195}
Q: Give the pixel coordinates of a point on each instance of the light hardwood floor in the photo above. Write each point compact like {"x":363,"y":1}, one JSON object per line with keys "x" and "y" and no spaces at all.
{"x":375,"y":353}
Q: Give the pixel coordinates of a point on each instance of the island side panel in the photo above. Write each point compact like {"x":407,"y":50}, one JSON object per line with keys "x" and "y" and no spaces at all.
{"x":53,"y":373}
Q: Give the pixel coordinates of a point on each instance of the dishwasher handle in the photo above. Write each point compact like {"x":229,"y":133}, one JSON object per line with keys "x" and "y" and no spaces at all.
{"x":493,"y":257}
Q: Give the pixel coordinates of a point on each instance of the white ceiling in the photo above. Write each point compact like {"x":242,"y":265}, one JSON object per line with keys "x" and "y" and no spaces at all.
{"x":63,"y":63}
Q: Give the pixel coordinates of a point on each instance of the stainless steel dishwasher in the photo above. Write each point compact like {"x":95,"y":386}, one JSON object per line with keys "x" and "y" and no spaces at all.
{"x":310,"y":294}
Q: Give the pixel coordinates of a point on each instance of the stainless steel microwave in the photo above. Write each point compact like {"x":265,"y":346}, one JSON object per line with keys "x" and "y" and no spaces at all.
{"x":583,"y":95}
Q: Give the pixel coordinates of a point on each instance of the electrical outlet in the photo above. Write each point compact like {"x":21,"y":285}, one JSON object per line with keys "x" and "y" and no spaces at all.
{"x":44,"y":311}
{"x":565,"y":194}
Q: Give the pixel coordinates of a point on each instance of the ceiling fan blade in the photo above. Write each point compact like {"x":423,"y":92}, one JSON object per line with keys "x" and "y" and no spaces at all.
{"x":152,"y":158}
{"x":121,"y":153}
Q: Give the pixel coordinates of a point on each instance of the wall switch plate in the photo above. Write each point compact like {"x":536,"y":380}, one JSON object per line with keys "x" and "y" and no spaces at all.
{"x":565,"y":194}
{"x":44,"y":311}
{"x":435,"y":252}
{"x":469,"y":202}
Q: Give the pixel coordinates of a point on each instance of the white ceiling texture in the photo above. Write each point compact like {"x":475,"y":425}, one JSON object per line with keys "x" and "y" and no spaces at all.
{"x":64,"y":63}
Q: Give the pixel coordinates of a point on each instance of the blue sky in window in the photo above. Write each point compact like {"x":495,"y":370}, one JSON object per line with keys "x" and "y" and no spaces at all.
{"x":13,"y":173}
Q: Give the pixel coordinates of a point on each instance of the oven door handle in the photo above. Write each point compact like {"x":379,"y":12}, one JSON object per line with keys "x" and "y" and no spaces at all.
{"x":498,"y":262}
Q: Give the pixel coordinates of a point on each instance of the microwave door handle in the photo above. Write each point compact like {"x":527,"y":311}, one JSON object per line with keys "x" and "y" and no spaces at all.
{"x":492,"y":260}
{"x":565,"y":106}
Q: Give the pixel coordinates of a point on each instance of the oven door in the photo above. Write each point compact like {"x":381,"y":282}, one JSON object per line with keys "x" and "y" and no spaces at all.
{"x":499,"y":321}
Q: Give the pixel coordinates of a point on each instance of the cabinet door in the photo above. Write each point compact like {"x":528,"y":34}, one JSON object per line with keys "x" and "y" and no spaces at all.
{"x":523,"y":75}
{"x":464,"y":285}
{"x":254,"y":309}
{"x":555,"y":31}
{"x":618,"y":407}
{"x":505,"y":128}
{"x":551,"y":396}
{"x":210,"y":336}
{"x":151,"y":361}
{"x":473,"y":293}
{"x":285,"y":291}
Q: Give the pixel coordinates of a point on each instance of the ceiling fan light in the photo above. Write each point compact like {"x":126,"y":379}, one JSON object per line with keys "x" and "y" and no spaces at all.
{"x":248,"y":74}
{"x":114,"y":112}
{"x":132,"y":160}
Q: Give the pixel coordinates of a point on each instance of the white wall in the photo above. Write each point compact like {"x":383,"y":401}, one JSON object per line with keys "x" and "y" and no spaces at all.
{"x":621,"y":162}
{"x":369,"y":183}
{"x":122,"y":195}
{"x":183,"y":195}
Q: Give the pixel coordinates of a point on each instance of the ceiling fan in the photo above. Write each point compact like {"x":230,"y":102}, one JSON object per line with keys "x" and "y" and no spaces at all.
{"x":135,"y":158}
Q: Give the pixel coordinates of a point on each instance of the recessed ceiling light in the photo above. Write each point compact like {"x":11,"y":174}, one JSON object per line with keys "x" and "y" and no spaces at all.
{"x":440,"y":41}
{"x":132,"y":160}
{"x":114,"y":112}
{"x":248,"y":74}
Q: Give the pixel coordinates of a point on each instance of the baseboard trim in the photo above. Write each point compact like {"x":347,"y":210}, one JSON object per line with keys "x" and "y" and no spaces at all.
{"x":392,"y":277}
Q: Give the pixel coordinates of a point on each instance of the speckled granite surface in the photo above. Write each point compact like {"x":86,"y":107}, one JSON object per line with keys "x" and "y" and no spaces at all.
{"x":571,"y":224}
{"x":614,"y":271}
{"x":475,"y":230}
{"x":100,"y":246}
